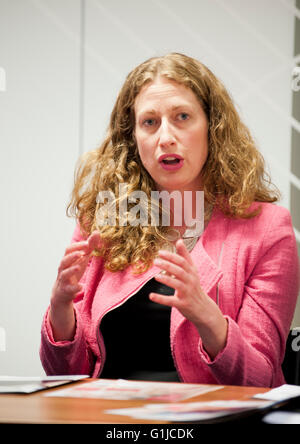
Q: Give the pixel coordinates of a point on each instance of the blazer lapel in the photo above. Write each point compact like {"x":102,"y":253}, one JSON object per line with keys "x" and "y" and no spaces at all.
{"x":206,"y":256}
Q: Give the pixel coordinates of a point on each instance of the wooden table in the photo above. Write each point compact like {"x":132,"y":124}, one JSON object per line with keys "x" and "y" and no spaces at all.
{"x":38,"y":409}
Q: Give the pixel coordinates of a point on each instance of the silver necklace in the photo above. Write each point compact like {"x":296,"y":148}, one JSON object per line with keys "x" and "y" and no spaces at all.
{"x":189,"y":237}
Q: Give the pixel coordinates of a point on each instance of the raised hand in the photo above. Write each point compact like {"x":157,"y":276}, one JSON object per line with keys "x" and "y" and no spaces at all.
{"x":189,"y":297}
{"x":71,"y":269}
{"x":66,"y":287}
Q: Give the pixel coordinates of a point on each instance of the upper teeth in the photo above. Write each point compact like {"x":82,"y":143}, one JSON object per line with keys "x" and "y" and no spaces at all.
{"x":170,"y":158}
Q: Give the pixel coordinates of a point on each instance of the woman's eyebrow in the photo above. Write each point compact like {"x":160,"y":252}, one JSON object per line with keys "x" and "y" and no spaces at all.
{"x":147,"y":111}
{"x":182,"y":105}
{"x":173,"y":108}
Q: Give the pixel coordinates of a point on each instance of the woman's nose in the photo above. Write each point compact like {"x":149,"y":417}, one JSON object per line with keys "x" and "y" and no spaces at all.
{"x":166,"y":136}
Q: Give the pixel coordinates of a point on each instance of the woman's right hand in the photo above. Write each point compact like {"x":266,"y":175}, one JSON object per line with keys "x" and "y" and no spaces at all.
{"x":72,"y":268}
{"x":66,"y":287}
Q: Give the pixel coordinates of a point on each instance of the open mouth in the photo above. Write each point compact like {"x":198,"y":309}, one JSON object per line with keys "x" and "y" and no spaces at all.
{"x":171,"y":161}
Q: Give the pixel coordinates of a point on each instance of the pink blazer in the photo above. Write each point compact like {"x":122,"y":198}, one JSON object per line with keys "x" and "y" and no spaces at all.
{"x":248,"y":266}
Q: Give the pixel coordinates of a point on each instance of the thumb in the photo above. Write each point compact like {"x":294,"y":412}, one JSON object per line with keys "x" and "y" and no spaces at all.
{"x":94,"y":240}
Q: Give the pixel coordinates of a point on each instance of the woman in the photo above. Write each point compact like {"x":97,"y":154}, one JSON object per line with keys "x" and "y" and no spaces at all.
{"x":165,"y":301}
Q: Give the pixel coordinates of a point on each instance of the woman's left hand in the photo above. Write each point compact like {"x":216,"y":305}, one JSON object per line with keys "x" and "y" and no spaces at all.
{"x":189,"y":298}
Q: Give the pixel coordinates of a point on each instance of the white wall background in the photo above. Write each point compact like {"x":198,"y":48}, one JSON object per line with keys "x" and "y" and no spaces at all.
{"x":62,"y":63}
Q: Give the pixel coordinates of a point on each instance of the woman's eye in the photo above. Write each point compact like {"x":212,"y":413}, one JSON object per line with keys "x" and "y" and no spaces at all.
{"x":183,"y":116}
{"x":149,"y":122}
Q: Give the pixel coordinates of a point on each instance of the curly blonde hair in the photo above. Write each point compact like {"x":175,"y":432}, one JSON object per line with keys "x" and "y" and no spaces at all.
{"x":233,"y":176}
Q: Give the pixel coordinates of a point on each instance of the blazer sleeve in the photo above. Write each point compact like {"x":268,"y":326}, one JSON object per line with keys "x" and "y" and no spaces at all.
{"x":67,"y":357}
{"x":256,"y":340}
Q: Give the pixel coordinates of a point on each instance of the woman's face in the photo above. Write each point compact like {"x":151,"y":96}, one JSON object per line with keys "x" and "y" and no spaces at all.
{"x":171,"y":131}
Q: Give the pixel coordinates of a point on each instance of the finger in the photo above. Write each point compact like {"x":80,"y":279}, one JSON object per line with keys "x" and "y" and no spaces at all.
{"x":74,"y":272}
{"x":78,"y":246}
{"x":171,"y":282}
{"x":70,"y":259}
{"x":163,"y":300}
{"x":86,"y":246}
{"x":183,"y":252}
{"x":66,"y":275}
{"x":73,"y":289}
{"x":174,"y":258}
{"x":171,"y":268}
{"x":94,"y":241}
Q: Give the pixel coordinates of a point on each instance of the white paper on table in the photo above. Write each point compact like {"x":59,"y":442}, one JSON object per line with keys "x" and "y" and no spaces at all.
{"x":282,"y":393}
{"x":121,"y":389}
{"x":31,"y":384}
{"x":282,"y":417}
{"x":210,"y":405}
{"x":192,"y":411}
{"x":144,"y":413}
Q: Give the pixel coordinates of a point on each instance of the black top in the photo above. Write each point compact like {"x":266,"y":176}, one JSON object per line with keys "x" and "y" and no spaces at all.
{"x":137,"y":338}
